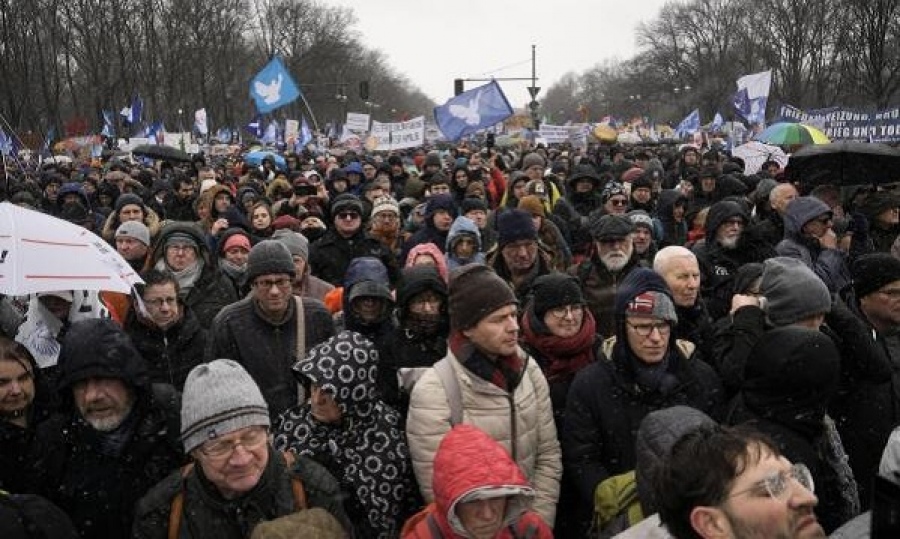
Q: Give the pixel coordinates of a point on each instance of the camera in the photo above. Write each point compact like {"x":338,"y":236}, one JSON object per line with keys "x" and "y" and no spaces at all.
{"x":305,"y":190}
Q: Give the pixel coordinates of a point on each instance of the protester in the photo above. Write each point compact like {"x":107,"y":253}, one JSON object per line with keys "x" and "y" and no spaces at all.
{"x":305,"y":283}
{"x":225,"y":493}
{"x":492,"y":375}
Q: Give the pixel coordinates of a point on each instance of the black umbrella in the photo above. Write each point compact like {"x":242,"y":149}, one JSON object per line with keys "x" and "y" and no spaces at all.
{"x":845,"y":163}
{"x":161,"y":152}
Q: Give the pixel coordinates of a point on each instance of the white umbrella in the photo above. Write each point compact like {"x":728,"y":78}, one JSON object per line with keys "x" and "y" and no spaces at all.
{"x":628,"y":137}
{"x":756,"y":153}
{"x":40,"y":253}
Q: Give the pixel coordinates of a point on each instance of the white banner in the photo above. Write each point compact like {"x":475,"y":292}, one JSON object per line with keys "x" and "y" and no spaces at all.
{"x":554,"y":134}
{"x":291,"y":128}
{"x":357,"y":122}
{"x":399,"y":135}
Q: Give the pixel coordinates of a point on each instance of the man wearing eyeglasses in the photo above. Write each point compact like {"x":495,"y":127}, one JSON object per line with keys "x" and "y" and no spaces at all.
{"x":345,"y":240}
{"x":166,"y":332}
{"x":809,"y":237}
{"x":237,"y":479}
{"x":721,"y":482}
{"x":645,"y":369}
{"x":262,"y":332}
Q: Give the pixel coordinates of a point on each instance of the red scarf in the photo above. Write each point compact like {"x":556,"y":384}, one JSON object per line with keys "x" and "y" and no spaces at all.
{"x":563,"y":357}
{"x":504,"y":372}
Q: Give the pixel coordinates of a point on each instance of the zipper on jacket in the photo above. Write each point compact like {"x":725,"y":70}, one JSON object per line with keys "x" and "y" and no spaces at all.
{"x":513,"y":430}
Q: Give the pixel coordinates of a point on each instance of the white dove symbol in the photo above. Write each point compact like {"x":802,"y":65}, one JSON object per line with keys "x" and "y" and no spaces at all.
{"x":271,"y":93}
{"x":468,"y":113}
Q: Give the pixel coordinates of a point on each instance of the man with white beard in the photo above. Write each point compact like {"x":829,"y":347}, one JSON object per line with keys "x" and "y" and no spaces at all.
{"x":612,"y":257}
{"x":728,"y":246}
{"x":116,"y":434}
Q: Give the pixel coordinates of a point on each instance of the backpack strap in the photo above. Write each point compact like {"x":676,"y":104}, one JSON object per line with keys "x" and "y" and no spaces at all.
{"x":447,"y":377}
{"x":176,"y":511}
{"x":301,"y":343}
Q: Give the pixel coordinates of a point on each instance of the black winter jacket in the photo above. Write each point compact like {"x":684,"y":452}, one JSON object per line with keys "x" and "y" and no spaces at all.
{"x":171,"y":353}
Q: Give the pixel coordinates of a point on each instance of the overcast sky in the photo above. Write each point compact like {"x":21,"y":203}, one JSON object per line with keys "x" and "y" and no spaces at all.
{"x":433,"y":42}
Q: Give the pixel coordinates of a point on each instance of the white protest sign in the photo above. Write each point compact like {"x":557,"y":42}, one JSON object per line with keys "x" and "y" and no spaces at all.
{"x":291,"y":128}
{"x":554,"y":134}
{"x":357,"y":122}
{"x":399,"y":135}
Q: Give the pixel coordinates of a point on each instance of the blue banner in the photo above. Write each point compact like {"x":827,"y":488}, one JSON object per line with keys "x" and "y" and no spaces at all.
{"x":473,"y":110}
{"x":273,"y":87}
{"x":845,"y":124}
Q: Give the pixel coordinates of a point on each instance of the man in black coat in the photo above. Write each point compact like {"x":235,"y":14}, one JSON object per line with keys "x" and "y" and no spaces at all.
{"x":116,"y":436}
{"x":330,"y":255}
{"x":167,"y":334}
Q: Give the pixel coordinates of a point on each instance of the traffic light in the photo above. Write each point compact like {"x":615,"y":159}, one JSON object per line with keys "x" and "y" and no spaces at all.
{"x":458,"y":86}
{"x":364,"y":90}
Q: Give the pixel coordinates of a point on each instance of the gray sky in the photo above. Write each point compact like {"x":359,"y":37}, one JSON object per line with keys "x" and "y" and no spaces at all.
{"x":432,"y":42}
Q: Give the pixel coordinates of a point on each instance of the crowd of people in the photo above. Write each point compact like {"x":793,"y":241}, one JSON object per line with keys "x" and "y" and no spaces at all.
{"x":471,"y":342}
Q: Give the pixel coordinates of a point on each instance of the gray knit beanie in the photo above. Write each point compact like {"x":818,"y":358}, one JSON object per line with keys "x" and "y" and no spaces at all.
{"x":296,"y":242}
{"x":269,"y":257}
{"x":219,"y":397}
{"x":792,"y":291}
{"x":532,"y":159}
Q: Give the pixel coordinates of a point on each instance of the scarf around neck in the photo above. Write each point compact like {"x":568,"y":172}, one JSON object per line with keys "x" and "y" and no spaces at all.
{"x":504,"y":372}
{"x":186,"y":278}
{"x":563,"y":356}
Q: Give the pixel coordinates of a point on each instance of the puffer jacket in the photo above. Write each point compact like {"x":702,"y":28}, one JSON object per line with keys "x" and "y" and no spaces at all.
{"x":344,"y":367}
{"x":213,"y":290}
{"x":468,"y":461}
{"x":522,"y":422}
{"x":97,"y":477}
{"x":207,"y":515}
{"x":829,"y":264}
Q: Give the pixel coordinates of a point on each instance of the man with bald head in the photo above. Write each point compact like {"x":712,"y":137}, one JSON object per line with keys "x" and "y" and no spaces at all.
{"x":771,"y":227}
{"x":679,"y":268}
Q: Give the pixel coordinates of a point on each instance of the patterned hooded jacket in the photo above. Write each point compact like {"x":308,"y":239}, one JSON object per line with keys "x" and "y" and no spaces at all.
{"x":366,"y":450}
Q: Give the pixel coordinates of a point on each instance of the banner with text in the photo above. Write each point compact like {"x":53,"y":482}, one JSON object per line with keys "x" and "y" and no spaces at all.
{"x":357,"y":122}
{"x":399,"y":135}
{"x":845,"y":124}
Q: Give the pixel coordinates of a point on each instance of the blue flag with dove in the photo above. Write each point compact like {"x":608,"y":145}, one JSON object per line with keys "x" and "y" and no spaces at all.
{"x":472,"y":111}
{"x":273,"y":87}
{"x":690,"y":124}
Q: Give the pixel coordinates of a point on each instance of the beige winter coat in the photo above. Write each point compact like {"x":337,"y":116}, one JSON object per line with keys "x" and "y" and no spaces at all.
{"x":529,"y":421}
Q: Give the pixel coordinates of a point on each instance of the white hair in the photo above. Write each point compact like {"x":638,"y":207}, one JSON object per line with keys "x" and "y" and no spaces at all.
{"x":667,"y":254}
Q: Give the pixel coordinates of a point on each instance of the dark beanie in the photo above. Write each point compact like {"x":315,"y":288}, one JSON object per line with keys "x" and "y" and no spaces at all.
{"x":346,"y":202}
{"x":555,"y":290}
{"x":475,"y":292}
{"x":129,"y":198}
{"x":472,"y":203}
{"x":872,"y":271}
{"x":515,"y":225}
{"x":269,"y":257}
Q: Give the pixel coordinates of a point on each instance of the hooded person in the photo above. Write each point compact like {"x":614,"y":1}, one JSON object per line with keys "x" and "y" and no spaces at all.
{"x":787,"y":388}
{"x":337,"y":428}
{"x":225,"y":494}
{"x":367,"y":301}
{"x":670,"y":218}
{"x":645,"y":369}
{"x":729,"y":244}
{"x":428,"y":254}
{"x":419,"y":338}
{"x":440,"y":211}
{"x":128,"y":207}
{"x":115,"y":435}
{"x":182,"y":249}
{"x":463,"y":244}
{"x":479,"y":492}
{"x":808,"y":237}
{"x":233,"y":248}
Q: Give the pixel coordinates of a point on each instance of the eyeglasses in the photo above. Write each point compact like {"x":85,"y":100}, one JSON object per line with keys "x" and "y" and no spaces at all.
{"x":386,"y":217}
{"x":250,"y":440}
{"x":645,"y":330}
{"x":528,"y":246}
{"x":181,"y":247}
{"x":618,"y":201}
{"x":566,"y":310}
{"x":733,"y":222}
{"x":159,"y":302}
{"x":267,"y":284}
{"x":348,"y":215}
{"x":776,"y":485}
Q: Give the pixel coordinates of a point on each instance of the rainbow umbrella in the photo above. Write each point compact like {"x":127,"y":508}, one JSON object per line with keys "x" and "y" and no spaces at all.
{"x":790,"y":134}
